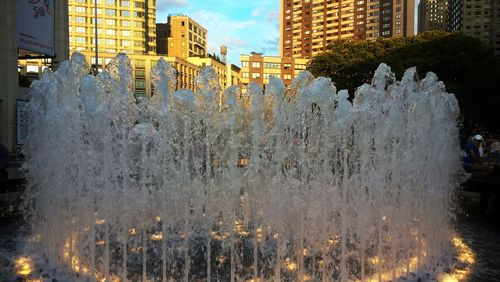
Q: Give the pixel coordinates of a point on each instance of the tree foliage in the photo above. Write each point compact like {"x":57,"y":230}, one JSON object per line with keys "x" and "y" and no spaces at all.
{"x":469,"y":70}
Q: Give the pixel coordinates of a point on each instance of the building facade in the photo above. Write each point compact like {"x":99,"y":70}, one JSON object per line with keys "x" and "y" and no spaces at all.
{"x":476,"y":18}
{"x":181,"y":37}
{"x":257,"y":68}
{"x":307,"y":27}
{"x":187,"y":70}
{"x":126,"y":26}
{"x":433,"y":15}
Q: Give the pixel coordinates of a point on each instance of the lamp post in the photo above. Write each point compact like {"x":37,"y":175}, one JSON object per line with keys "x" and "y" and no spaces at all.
{"x":96,"y":71}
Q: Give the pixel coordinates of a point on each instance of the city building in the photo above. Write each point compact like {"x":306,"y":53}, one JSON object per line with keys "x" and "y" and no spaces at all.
{"x":181,"y":37}
{"x":14,"y":89}
{"x":455,"y":15}
{"x":432,"y":15}
{"x":307,"y":27}
{"x":495,"y":34}
{"x":476,"y":18}
{"x":142,"y":65}
{"x":257,"y":68}
{"x":129,"y":27}
{"x":122,"y":26}
{"x":187,"y":71}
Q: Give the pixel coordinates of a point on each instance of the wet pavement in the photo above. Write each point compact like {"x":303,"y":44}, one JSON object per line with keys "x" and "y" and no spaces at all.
{"x":482,"y":237}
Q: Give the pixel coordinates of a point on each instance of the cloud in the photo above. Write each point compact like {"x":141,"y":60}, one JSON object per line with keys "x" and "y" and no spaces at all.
{"x":223,"y":30}
{"x":257,"y":11}
{"x":235,"y":42}
{"x":269,"y":45}
{"x":162,"y":5}
{"x":273,"y":16}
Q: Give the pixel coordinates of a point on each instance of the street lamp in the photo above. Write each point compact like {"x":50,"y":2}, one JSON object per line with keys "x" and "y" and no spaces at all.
{"x":96,"y":71}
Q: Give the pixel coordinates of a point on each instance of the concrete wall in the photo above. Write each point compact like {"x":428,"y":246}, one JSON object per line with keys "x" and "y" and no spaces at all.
{"x":8,"y":74}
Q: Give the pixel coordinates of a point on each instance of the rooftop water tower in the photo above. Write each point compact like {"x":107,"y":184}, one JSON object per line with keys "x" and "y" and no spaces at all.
{"x":223,"y":53}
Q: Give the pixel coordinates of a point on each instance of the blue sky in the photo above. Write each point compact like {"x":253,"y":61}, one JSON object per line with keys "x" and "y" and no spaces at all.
{"x":242,"y":25}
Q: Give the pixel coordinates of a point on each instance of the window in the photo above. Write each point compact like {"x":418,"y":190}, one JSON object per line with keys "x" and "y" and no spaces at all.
{"x":126,"y":43}
{"x":81,"y":40}
{"x":110,"y":22}
{"x":110,"y":12}
{"x":110,"y":2}
{"x":80,"y":19}
{"x":255,"y":64}
{"x":140,"y":63}
{"x":79,"y":9}
{"x":110,"y":42}
{"x":287,"y":76}
{"x":244,"y":74}
{"x":80,"y":29}
{"x":272,"y":65}
{"x":99,"y":21}
{"x":126,"y":23}
{"x":125,"y":13}
{"x":126,"y":33}
{"x":255,"y":75}
{"x":32,"y":69}
{"x":140,"y":73}
{"x":287,"y":66}
{"x":110,"y":32}
{"x":140,"y":84}
{"x":125,"y":3}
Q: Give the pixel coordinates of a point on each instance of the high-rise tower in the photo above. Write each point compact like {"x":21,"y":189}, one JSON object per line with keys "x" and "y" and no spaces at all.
{"x":432,"y":15}
{"x":122,"y":26}
{"x":308,"y":26}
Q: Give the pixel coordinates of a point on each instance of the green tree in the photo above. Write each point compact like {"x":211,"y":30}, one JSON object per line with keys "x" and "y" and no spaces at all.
{"x":469,"y":69}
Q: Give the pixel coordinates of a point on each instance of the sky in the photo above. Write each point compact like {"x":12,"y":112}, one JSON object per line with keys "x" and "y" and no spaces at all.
{"x":243,"y":26}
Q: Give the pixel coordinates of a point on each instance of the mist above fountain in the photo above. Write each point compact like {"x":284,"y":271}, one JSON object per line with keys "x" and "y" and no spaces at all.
{"x":292,"y":184}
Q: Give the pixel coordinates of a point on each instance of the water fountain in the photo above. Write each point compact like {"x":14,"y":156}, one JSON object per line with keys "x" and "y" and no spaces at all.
{"x":286,"y":184}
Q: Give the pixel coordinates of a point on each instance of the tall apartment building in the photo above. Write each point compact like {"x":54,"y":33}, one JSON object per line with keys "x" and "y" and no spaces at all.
{"x":477,"y":18}
{"x":122,"y":26}
{"x":495,"y":34}
{"x":432,"y":15}
{"x":181,"y":37}
{"x":257,"y":68}
{"x":307,"y":27}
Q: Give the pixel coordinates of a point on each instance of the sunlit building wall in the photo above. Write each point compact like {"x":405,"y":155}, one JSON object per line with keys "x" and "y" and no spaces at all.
{"x":257,"y":68}
{"x":307,"y":27}
{"x":122,"y":26}
{"x":181,"y":37}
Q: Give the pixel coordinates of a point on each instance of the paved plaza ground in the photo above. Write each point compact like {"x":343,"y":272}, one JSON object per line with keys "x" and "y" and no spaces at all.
{"x":482,"y":237}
